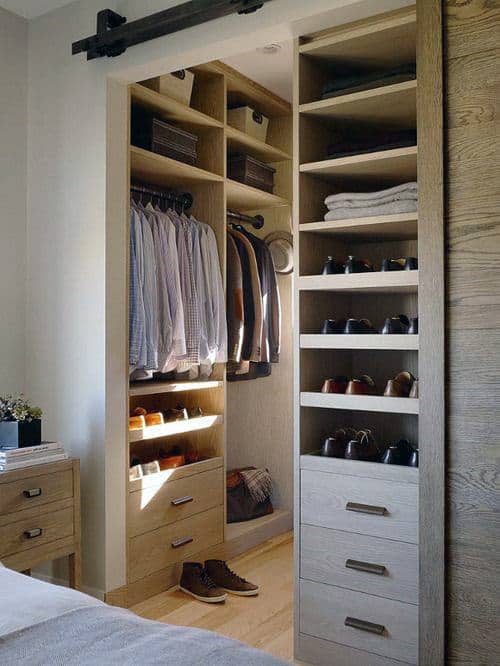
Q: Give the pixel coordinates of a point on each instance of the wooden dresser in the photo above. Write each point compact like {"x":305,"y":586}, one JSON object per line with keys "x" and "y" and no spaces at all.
{"x":40,"y":517}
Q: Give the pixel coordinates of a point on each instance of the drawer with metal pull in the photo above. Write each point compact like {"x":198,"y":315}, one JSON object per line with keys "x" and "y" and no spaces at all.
{"x":33,"y":491}
{"x":359,"y":562}
{"x":156,"y":506}
{"x":374,"y":507}
{"x":174,"y":543}
{"x":384,"y":627}
{"x":35,"y":531}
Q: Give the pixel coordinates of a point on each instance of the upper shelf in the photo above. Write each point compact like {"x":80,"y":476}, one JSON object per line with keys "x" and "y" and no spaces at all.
{"x":238,"y":141}
{"x":159,"y":170}
{"x":170,"y":109}
{"x":394,"y":105}
{"x":364,"y":403}
{"x":175,"y":428}
{"x":156,"y":388}
{"x":381,"y":227}
{"x":244,"y":198}
{"x":396,"y":165}
{"x":359,"y":341}
{"x":376,"y":282}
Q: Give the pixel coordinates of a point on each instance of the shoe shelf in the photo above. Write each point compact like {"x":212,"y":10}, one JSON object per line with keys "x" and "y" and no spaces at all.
{"x":176,"y":428}
{"x":170,"y":109}
{"x":397,"y":165}
{"x":361,"y":341}
{"x":238,"y":141}
{"x":169,"y":475}
{"x":375,"y":470}
{"x":155,"y":388}
{"x":156,"y":169}
{"x":376,"y":282}
{"x":245,"y":198}
{"x":393,"y":105}
{"x":382,"y":227}
{"x":362,"y":403}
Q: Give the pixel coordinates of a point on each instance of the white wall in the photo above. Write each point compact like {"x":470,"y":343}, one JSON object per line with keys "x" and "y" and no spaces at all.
{"x":13,"y":152}
{"x":70,"y":264}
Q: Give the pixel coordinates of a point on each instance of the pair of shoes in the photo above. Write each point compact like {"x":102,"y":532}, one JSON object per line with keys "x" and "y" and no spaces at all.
{"x":351,"y":444}
{"x":180,"y":413}
{"x":211,"y":582}
{"x":401,"y":264}
{"x":351,"y":265}
{"x":402,"y":453}
{"x":400,"y":325}
{"x":363,"y":385}
{"x":347,"y":327}
{"x":404,"y":385}
{"x":141,"y":418}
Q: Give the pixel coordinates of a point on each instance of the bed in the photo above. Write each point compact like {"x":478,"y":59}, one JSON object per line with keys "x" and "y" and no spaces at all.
{"x":44,"y":624}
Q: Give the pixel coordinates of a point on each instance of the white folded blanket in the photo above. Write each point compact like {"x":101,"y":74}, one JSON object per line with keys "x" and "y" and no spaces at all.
{"x":405,"y":191}
{"x":402,"y":206}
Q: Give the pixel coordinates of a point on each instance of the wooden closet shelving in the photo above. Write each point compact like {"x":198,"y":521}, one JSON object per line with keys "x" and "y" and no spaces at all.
{"x":156,"y":388}
{"x":176,"y":428}
{"x":359,"y":341}
{"x":246,"y":198}
{"x":244,"y":143}
{"x":376,"y":282}
{"x":362,"y":403}
{"x":164,"y":171}
{"x":387,"y":227}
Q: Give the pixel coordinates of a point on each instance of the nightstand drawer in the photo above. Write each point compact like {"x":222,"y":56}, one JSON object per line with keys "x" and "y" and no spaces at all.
{"x":36,"y":531}
{"x":35,"y":490}
{"x":375,"y":507}
{"x":156,"y":506}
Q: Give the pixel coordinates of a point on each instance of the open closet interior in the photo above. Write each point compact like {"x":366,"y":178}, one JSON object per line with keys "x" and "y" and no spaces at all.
{"x":210,"y":321}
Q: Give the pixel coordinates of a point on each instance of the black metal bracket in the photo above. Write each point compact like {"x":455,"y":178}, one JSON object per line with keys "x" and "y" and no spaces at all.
{"x":114,"y":35}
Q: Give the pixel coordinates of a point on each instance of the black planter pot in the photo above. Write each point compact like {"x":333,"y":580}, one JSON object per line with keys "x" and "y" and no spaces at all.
{"x":18,"y":434}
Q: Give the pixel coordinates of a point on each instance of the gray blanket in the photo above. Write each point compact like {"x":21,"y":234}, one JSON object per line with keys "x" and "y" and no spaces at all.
{"x":370,"y":211}
{"x":113,"y":636}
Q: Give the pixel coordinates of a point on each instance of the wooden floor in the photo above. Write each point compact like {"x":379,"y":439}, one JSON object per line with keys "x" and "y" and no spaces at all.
{"x":264,"y":622}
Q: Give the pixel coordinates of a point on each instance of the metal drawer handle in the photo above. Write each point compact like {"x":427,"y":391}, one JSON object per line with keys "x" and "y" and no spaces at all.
{"x":363,"y":625}
{"x":181,"y":542}
{"x":366,"y":508}
{"x":33,"y":534}
{"x":182,"y":500}
{"x":367,"y":567}
{"x":33,"y":492}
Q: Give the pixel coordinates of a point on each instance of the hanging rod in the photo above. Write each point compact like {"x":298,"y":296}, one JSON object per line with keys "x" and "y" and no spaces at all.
{"x":115,"y":35}
{"x":186,"y":200}
{"x":257,"y":222}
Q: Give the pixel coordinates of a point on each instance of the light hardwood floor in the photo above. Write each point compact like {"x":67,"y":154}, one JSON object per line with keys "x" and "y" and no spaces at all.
{"x":264,"y":622}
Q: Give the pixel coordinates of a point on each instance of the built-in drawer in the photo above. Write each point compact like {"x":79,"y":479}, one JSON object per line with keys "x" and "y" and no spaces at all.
{"x":360,"y":562}
{"x":156,"y":506}
{"x":382,"y":626}
{"x":366,"y":506}
{"x":174,"y":543}
{"x":36,"y":531}
{"x":35,"y":490}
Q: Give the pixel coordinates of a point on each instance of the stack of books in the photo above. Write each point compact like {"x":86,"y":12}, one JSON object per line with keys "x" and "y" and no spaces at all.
{"x":46,"y":452}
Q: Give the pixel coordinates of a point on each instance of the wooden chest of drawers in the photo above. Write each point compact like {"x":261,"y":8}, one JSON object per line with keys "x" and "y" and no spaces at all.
{"x":40,"y":516}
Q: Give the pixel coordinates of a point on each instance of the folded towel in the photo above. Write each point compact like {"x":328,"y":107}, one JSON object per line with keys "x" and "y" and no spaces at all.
{"x":356,"y":81}
{"x":368,"y":203}
{"x":371,"y":211}
{"x":407,"y":188}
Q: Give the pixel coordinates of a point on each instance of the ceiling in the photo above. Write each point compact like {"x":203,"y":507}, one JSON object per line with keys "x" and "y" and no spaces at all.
{"x":32,"y":8}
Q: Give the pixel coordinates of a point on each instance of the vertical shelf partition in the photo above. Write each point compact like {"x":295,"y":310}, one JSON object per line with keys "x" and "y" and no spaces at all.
{"x":354,"y":520}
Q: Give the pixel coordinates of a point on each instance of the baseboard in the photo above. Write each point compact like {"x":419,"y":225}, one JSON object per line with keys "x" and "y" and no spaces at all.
{"x":91,"y":591}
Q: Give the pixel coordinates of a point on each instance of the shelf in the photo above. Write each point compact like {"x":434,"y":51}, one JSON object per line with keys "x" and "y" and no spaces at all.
{"x":159,"y":170}
{"x":175,"y":428}
{"x":361,"y":341}
{"x":396,"y":165}
{"x":170,"y":109}
{"x":156,"y":388}
{"x":363,"y":403}
{"x":237,"y":530}
{"x":169,"y":475}
{"x":238,"y":141}
{"x":394,"y":105}
{"x":381,"y":227}
{"x":243,"y":197}
{"x":373,"y":470}
{"x":377,"y":282}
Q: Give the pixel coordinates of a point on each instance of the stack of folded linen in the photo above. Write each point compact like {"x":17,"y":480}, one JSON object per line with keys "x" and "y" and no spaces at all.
{"x":399,"y":199}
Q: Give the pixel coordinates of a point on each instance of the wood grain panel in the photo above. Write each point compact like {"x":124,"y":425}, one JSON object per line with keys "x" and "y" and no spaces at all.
{"x":44,"y":489}
{"x":472,"y":78}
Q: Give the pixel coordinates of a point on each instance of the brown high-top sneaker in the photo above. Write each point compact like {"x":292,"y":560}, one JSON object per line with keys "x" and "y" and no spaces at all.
{"x":196,"y":582}
{"x":222,"y":576}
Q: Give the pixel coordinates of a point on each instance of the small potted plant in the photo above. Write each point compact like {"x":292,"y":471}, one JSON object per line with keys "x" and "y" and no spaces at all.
{"x":20,"y":422}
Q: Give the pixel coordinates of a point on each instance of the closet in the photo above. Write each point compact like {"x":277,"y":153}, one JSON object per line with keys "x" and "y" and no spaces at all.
{"x":176,"y":504}
{"x":356,"y":520}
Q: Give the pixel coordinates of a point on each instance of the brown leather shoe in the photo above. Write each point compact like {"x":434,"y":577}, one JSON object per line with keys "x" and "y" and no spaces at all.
{"x":363,"y":385}
{"x":226,"y":579}
{"x":414,"y":389}
{"x":336,"y":385}
{"x":196,"y":582}
{"x":400,"y":386}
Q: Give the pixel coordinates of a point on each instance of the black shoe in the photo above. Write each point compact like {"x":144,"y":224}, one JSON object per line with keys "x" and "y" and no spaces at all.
{"x":413,"y":459}
{"x":333,"y":326}
{"x":392,"y":456}
{"x":395,"y":325}
{"x":413,"y":328}
{"x":359,"y":326}
{"x":333,"y":267}
{"x":335,"y":445}
{"x":354,"y":265}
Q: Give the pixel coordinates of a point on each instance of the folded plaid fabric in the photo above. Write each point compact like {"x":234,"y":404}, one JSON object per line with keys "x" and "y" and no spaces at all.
{"x":258,"y":483}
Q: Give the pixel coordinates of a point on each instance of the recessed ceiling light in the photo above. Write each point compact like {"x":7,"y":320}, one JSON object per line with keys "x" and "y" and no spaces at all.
{"x":270,"y":49}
